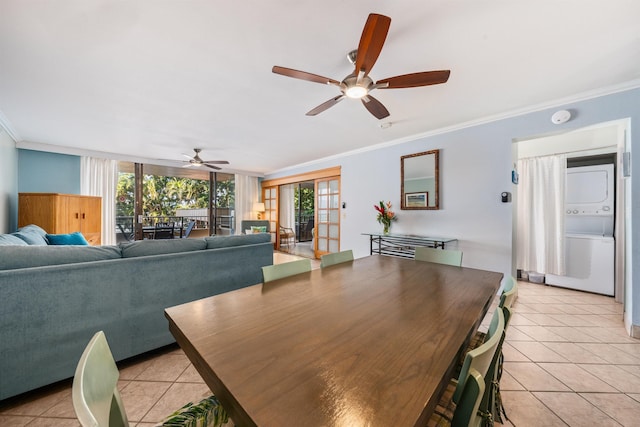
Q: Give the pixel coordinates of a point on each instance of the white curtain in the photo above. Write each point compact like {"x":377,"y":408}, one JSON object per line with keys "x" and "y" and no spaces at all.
{"x":99,"y":177}
{"x":540,"y":221}
{"x":247,"y":192}
{"x":287,"y":206}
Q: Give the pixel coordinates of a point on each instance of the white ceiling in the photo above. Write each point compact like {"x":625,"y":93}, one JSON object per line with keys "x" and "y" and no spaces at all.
{"x":152,"y":79}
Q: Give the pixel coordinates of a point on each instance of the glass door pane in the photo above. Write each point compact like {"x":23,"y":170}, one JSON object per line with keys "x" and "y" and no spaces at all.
{"x":270,"y":199}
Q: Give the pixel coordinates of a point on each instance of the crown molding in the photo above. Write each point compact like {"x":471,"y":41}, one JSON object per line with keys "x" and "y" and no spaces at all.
{"x":583,"y":96}
{"x":4,"y":124}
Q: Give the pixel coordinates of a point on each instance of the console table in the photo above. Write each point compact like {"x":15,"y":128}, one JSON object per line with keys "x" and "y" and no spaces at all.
{"x":403,"y":245}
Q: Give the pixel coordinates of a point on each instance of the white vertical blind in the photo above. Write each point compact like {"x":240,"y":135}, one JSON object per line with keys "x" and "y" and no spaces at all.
{"x":540,"y":228}
{"x":99,"y":177}
{"x":247,"y":191}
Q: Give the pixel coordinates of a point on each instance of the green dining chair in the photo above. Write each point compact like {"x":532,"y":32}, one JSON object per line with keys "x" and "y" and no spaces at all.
{"x":492,"y":401}
{"x":278,"y":271}
{"x":97,"y":401}
{"x":439,"y":256}
{"x":460,"y":403}
{"x":509,"y":292}
{"x":336,"y":258}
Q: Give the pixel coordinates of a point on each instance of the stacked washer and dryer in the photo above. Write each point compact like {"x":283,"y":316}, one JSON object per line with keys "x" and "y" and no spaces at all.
{"x":589,"y":226}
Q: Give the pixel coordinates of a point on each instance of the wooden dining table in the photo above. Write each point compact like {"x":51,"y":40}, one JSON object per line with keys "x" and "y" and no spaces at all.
{"x":371,"y":342}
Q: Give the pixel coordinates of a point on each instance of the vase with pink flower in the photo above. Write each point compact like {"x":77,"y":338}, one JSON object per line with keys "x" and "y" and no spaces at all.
{"x":385,"y":215}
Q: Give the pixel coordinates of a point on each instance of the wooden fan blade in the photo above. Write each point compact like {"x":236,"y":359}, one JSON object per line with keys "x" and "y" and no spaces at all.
{"x":303,"y":75}
{"x":425,"y":78}
{"x":212,"y":167}
{"x":325,"y":105}
{"x":215,"y":162}
{"x":373,"y":36}
{"x":375,"y":107}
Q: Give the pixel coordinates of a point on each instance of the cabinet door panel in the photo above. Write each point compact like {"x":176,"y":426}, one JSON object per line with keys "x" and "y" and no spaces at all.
{"x":91,"y":219}
{"x":67,"y":214}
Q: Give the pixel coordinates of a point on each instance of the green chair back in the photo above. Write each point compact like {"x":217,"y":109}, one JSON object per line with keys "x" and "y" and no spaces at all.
{"x":480,"y":358}
{"x":278,"y":271}
{"x":96,"y":399}
{"x":509,"y":283}
{"x":336,"y":258}
{"x":510,"y":293}
{"x":440,"y":256}
{"x":490,"y":400}
{"x":466,"y":413}
{"x":493,"y":326}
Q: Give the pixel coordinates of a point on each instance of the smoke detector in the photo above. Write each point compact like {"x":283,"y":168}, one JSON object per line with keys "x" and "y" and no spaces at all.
{"x":560,"y":117}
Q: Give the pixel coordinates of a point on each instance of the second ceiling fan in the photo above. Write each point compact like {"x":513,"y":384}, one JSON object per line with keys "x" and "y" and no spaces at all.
{"x":359,"y":85}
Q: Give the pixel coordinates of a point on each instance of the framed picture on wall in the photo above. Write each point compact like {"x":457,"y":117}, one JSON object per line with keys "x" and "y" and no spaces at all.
{"x":416,"y":200}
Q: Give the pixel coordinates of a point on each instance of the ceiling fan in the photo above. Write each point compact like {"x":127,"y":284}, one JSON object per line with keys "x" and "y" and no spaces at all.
{"x":197,"y":162}
{"x":358,"y":85}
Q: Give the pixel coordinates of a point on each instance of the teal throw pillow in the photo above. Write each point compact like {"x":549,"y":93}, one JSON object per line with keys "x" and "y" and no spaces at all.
{"x":67,"y":239}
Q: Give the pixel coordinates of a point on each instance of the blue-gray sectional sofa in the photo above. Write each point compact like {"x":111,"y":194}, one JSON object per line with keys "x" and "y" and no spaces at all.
{"x":54,"y":298}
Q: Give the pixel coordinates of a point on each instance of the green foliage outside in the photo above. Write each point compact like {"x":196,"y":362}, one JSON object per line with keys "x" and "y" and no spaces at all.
{"x":308,"y":201}
{"x":162,"y":195}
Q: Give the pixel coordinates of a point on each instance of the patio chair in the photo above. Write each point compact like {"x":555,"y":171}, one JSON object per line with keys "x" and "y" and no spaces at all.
{"x":123,"y":236}
{"x":97,"y":401}
{"x":187,"y":230}
{"x":287,"y":237}
{"x":163,"y":231}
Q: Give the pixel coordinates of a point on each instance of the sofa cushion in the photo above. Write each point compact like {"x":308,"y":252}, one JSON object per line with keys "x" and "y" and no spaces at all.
{"x":215,"y":242}
{"x":67,"y":239}
{"x":158,"y":247}
{"x":14,"y":257}
{"x":11,"y":240}
{"x":32,"y":234}
{"x":32,"y":228}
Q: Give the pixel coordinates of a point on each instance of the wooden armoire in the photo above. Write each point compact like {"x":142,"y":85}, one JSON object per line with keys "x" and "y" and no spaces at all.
{"x":62,"y":214}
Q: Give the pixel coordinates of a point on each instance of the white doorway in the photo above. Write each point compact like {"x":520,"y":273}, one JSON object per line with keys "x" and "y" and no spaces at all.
{"x":600,"y":140}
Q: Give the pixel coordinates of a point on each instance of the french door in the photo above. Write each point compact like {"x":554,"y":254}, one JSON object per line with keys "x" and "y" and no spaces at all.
{"x":327,"y":221}
{"x":270,"y":199}
{"x":326,"y":232}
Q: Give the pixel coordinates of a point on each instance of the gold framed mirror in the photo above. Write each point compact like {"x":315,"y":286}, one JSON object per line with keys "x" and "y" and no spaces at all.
{"x":420,"y":181}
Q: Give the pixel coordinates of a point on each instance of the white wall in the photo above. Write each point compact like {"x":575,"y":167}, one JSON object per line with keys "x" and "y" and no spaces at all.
{"x":475,"y":167}
{"x":8,"y":183}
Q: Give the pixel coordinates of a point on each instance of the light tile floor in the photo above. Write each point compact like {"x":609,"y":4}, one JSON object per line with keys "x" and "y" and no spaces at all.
{"x":568,"y":361}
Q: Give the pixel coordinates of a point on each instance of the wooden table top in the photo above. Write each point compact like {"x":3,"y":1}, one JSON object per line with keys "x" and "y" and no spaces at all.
{"x":365,"y":343}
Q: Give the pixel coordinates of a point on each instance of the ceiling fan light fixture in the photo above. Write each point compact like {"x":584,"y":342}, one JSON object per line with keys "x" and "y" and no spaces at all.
{"x":358,"y":84}
{"x":356,"y":92}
